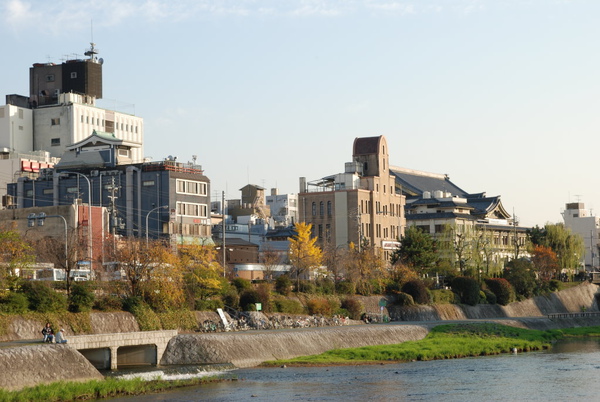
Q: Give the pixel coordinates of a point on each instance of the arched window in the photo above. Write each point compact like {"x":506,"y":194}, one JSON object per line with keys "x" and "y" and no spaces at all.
{"x":321,"y":208}
{"x":329,"y":208}
{"x":314,"y":208}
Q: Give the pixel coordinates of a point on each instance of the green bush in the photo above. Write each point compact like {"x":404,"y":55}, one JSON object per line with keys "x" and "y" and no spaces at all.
{"x":444,"y":296}
{"x":248,"y":299}
{"x":283,"y":285}
{"x":417,"y":290}
{"x":555,"y":285}
{"x":307,"y":287}
{"x":242,"y":284}
{"x":42,"y":298}
{"x":354,"y":307}
{"x":322,"y":306}
{"x":207,"y":304}
{"x":108,"y":303}
{"x":132,"y":302}
{"x":325,"y":286}
{"x":81,"y":298}
{"x":147,"y":319}
{"x":346,"y":288}
{"x":404,"y":299}
{"x":178,"y":319}
{"x":489,"y":296}
{"x":288,"y":306}
{"x":502,"y":289}
{"x":467,"y":289}
{"x":231,"y":299}
{"x":14,"y":303}
{"x":264,"y":296}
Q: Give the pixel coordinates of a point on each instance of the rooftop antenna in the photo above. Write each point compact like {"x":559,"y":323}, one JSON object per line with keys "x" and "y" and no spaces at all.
{"x":578,"y":197}
{"x":92,"y":51}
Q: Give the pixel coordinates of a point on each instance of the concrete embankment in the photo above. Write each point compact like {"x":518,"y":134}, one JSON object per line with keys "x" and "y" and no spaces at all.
{"x":38,"y":364}
{"x":247,"y":349}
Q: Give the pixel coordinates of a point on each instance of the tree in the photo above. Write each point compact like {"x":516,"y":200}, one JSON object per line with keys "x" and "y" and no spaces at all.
{"x":270,"y":260}
{"x":545,"y":263}
{"x":569,"y":247}
{"x":139,"y":260}
{"x":304,"y":255}
{"x":362,"y":266}
{"x":417,"y":249}
{"x":15,"y":254}
{"x":202,"y":274}
{"x":521,"y":276}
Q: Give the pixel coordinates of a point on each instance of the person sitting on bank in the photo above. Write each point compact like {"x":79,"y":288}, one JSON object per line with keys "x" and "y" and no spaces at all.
{"x":60,"y":337}
{"x":48,"y":333}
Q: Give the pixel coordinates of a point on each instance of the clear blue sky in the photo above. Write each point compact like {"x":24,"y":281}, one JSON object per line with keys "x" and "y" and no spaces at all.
{"x":504,"y":96}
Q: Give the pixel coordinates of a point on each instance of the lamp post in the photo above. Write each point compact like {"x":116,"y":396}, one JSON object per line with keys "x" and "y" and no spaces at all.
{"x":91,"y":252}
{"x":40,"y":219}
{"x":148,"y":215}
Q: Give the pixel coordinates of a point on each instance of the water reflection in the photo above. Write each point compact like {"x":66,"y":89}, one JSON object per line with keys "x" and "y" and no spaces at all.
{"x":566,"y":372}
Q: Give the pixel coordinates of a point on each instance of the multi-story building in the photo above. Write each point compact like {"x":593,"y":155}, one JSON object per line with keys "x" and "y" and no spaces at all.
{"x":284,"y":208}
{"x":165,"y":199}
{"x":360,"y":205}
{"x":581,"y":221}
{"x":60,"y":111}
{"x":435,"y":204}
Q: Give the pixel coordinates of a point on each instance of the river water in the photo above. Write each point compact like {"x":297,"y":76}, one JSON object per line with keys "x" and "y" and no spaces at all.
{"x":569,"y":371}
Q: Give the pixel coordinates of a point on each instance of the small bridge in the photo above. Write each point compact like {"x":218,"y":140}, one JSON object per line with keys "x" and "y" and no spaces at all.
{"x":122,"y":349}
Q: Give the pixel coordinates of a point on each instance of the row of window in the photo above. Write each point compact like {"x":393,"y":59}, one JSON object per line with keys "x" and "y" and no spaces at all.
{"x":100,"y":122}
{"x":192,"y":209}
{"x":191,"y":187}
{"x":321,"y":208}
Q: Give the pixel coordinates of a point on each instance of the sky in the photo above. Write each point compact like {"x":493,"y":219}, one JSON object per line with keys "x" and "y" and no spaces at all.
{"x":501,"y":95}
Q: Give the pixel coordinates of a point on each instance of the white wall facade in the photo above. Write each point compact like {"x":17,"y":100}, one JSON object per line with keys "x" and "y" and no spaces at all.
{"x":581,"y":222}
{"x":57,"y":127}
{"x":16,"y":129}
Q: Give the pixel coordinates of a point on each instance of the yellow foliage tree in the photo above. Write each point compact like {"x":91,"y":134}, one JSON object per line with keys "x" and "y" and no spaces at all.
{"x":304,"y":254}
{"x":15,"y":253}
{"x":203,"y":277}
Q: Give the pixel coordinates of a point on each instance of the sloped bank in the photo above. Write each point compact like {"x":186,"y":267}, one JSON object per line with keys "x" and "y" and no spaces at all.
{"x":247,"y":349}
{"x":38,"y":364}
{"x":572,"y":300}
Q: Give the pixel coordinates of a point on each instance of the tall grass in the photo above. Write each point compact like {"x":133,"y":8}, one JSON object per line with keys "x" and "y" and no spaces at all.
{"x":96,"y":389}
{"x":446,"y":342}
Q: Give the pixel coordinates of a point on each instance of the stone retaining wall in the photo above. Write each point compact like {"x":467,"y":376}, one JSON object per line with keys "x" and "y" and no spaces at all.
{"x":27,"y":366}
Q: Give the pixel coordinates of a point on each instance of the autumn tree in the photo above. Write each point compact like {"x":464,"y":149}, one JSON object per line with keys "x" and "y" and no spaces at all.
{"x":304,"y":254}
{"x":202,"y":274}
{"x":568,"y":246}
{"x":545,"y":262}
{"x":362,"y":266}
{"x":270,"y":259}
{"x":141,"y":261}
{"x":15,"y":254}
{"x":417,"y":250}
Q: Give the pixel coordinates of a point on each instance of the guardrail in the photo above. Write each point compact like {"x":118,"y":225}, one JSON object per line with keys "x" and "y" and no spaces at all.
{"x":574,"y":315}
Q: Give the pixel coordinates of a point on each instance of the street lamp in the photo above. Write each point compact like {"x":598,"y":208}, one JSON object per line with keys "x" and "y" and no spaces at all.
{"x":91,"y":252}
{"x":148,"y":215}
{"x":40,"y":219}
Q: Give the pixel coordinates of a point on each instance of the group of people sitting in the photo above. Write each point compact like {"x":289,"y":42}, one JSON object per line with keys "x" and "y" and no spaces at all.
{"x":49,"y":335}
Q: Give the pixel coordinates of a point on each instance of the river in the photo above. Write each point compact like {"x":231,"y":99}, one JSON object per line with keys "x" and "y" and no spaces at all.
{"x":569,"y":371}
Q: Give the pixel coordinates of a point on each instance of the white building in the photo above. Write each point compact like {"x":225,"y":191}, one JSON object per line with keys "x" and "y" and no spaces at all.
{"x":284,"y":208}
{"x":583,"y":223}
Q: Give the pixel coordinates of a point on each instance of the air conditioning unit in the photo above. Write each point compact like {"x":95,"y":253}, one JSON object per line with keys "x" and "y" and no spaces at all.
{"x":7,"y":201}
{"x":77,"y":201}
{"x":94,"y":173}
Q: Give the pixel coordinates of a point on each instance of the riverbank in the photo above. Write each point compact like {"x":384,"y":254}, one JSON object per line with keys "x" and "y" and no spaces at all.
{"x":450,"y":341}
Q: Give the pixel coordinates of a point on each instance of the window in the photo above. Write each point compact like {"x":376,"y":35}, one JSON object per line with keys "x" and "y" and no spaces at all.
{"x":314,"y":209}
{"x":123,"y":152}
{"x":29,"y":193}
{"x":191,"y":209}
{"x":148,"y":183}
{"x":73,"y":74}
{"x":50,"y":78}
{"x":48,"y":191}
{"x":320,"y":231}
{"x":328,"y":232}
{"x":55,"y":142}
{"x":72,"y":190}
{"x":191,"y":187}
{"x":321,"y":208}
{"x":55,"y":121}
{"x":20,"y":113}
{"x":20,"y":128}
{"x":82,"y":118}
{"x":329,"y":208}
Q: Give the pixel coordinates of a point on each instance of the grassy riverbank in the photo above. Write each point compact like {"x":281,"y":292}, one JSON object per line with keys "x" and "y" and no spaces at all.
{"x":96,"y":389}
{"x":446,"y":342}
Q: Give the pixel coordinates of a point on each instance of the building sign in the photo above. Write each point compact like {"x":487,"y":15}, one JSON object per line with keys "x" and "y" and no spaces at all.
{"x":390,"y":245}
